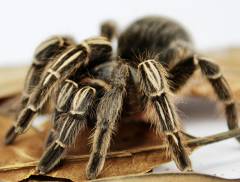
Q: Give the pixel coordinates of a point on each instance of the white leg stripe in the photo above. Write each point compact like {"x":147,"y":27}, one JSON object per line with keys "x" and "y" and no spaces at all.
{"x":55,"y":73}
{"x":195,"y":60}
{"x":85,"y":44}
{"x":98,"y":41}
{"x":37,"y":62}
{"x":152,"y":74}
{"x":163,"y":118}
{"x":33,"y":108}
{"x":72,"y":82}
{"x":60,"y":143}
{"x":69,"y":60}
{"x":154,"y":94}
{"x":215,"y":76}
{"x":169,"y":112}
{"x":77,"y":112}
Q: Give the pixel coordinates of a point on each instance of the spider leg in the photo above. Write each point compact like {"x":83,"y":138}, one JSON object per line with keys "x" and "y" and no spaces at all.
{"x":184,"y":70}
{"x":61,"y":66}
{"x":73,"y":122}
{"x":65,"y":65}
{"x":108,"y":29}
{"x":44,"y":55}
{"x":108,"y":111}
{"x":63,"y":103}
{"x":162,"y":113}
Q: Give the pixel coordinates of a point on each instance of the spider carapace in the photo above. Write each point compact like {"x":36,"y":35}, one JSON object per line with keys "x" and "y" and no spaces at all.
{"x":155,"y":57}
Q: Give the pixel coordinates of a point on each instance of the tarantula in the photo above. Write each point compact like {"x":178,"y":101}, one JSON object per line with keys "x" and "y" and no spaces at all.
{"x":155,"y":57}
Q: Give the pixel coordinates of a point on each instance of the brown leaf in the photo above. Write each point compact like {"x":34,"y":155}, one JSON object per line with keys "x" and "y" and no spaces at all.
{"x":163,"y":177}
{"x":173,"y":177}
{"x":130,"y":154}
{"x":10,"y":106}
{"x":11,"y":81}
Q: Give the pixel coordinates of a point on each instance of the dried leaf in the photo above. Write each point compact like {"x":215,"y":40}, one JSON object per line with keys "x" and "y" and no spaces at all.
{"x":10,"y":106}
{"x":126,"y":156}
{"x":164,"y":177}
{"x":11,"y":81}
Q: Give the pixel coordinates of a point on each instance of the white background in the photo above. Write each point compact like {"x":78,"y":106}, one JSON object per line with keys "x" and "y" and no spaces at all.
{"x":25,"y":23}
{"x":212,"y":23}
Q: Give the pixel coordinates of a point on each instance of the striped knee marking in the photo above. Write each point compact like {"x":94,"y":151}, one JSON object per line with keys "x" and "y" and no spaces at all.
{"x":78,"y":107}
{"x":54,"y":73}
{"x":50,"y":73}
{"x":215,"y":76}
{"x":66,"y":93}
{"x":61,"y":63}
{"x":80,"y":113}
{"x":155,"y":94}
{"x":153,"y":75}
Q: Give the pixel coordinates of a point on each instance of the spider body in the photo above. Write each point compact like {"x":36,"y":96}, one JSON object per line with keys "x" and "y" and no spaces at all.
{"x":151,"y":36}
{"x":155,"y":57}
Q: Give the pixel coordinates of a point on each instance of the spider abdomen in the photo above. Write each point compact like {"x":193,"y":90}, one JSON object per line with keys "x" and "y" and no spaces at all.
{"x":150,"y":36}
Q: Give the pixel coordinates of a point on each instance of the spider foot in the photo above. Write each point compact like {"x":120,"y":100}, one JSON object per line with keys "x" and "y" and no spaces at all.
{"x":22,"y":124}
{"x":50,"y":158}
{"x":95,"y":166}
{"x":10,"y":136}
{"x":179,"y":153}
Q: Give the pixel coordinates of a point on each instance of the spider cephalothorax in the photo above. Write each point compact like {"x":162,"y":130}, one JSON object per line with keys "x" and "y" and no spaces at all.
{"x":155,"y":57}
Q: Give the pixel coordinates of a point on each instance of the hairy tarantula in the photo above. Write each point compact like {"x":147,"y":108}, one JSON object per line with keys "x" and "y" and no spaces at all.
{"x":155,"y":57}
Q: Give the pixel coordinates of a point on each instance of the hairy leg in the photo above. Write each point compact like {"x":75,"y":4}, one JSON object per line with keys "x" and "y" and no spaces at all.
{"x":66,"y":64}
{"x":72,"y":123}
{"x":161,"y":111}
{"x":182,"y":71}
{"x":108,"y":111}
{"x":108,"y":29}
{"x":63,"y":104}
{"x":45,"y":54}
{"x":44,"y":89}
